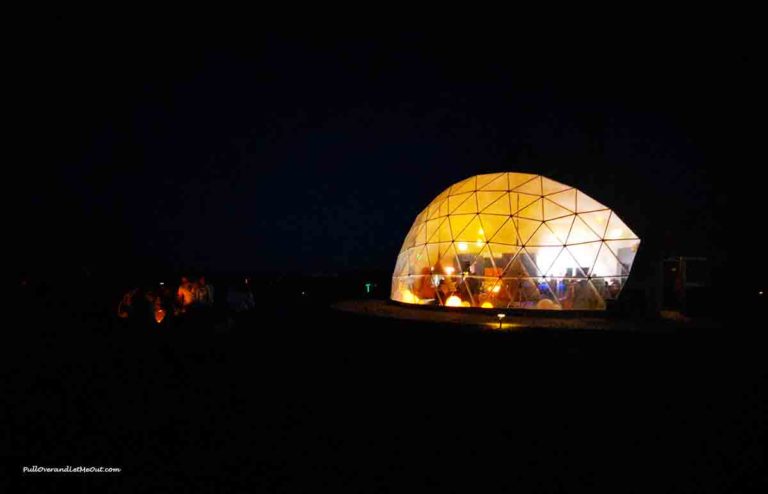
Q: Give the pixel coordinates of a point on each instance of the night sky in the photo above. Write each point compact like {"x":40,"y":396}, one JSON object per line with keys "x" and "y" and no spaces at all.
{"x":148,"y":146}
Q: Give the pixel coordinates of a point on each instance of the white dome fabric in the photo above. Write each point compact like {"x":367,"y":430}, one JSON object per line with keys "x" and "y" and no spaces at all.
{"x":514,"y":240}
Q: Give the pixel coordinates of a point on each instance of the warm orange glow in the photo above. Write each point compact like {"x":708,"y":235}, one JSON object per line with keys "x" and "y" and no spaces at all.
{"x":487,"y":305}
{"x":453,"y":301}
{"x":159,"y":315}
{"x":505,"y":325}
{"x":408,"y":297}
{"x":547,"y":304}
{"x":541,"y":239}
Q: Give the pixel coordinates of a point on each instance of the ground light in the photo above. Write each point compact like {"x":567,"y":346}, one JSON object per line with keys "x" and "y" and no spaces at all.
{"x":501,"y":318}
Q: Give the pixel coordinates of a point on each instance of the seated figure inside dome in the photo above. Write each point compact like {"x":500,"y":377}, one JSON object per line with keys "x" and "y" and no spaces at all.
{"x":423,"y":286}
{"x":447,"y":287}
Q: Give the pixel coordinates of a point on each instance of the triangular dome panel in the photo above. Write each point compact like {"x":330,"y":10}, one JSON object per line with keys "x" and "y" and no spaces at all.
{"x":489,"y":178}
{"x":532,"y":186}
{"x":499,"y":183}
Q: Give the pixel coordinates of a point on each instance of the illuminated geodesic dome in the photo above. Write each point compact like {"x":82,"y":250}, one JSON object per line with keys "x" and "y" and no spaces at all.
{"x":514,"y":240}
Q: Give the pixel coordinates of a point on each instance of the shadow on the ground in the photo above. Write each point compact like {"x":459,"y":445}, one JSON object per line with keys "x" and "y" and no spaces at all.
{"x":299,"y":399}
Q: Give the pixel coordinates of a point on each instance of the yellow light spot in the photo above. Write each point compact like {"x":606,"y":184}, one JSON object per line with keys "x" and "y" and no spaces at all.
{"x":487,"y":305}
{"x":453,"y":301}
{"x":505,"y":325}
{"x":449,"y":270}
{"x":496,"y":289}
{"x":462,"y":246}
{"x":406,"y":296}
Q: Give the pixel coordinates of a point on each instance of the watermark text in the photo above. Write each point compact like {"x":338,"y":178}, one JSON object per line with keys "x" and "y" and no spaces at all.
{"x":70,"y":469}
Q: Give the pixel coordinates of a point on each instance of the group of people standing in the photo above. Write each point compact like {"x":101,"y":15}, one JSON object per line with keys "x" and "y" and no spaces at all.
{"x":197,"y":293}
{"x":164,"y":302}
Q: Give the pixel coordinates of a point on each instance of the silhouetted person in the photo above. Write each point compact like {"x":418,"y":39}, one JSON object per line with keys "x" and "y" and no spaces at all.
{"x":203,"y":293}
{"x":185,"y":295}
{"x":126,"y":307}
{"x":583,"y":298}
{"x":423,"y":287}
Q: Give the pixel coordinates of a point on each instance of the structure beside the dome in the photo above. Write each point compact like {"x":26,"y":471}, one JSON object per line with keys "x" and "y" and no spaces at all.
{"x":514,"y":240}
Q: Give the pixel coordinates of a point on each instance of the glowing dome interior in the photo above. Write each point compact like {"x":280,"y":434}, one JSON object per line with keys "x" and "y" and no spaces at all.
{"x":514,"y":240}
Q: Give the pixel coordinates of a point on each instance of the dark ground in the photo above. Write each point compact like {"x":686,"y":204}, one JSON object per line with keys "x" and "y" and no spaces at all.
{"x":304,"y":399}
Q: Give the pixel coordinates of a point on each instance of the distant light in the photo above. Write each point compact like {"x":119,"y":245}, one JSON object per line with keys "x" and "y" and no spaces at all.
{"x":162,"y":283}
{"x":462,"y":246}
{"x":760,"y":292}
{"x":449,"y":270}
{"x":496,"y":289}
{"x":453,"y":301}
{"x":303,"y":293}
{"x":480,"y":232}
{"x":487,"y":305}
{"x":159,"y":315}
{"x":479,"y":243}
{"x":368,"y":287}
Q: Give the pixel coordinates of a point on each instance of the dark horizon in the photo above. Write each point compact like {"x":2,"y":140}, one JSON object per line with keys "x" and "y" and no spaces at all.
{"x":308,"y":152}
